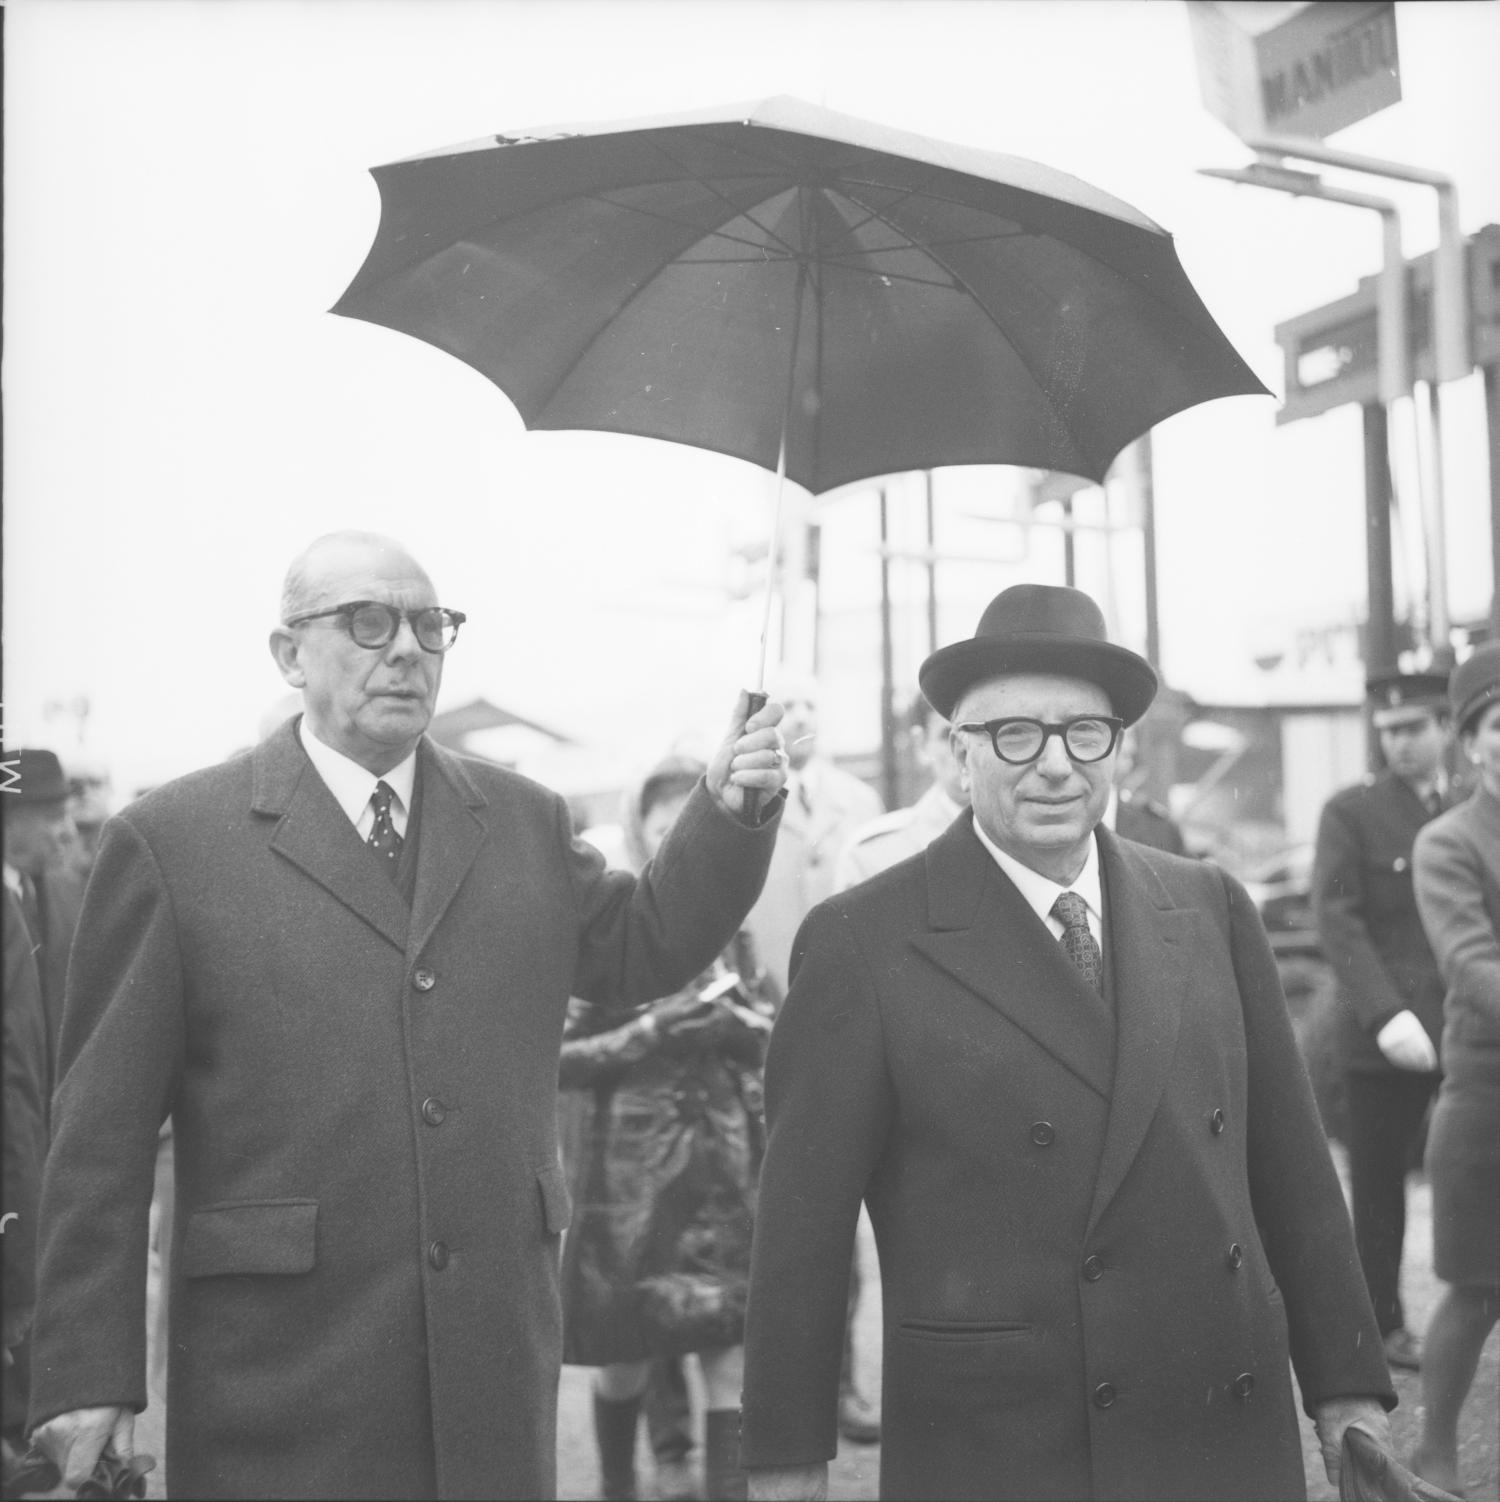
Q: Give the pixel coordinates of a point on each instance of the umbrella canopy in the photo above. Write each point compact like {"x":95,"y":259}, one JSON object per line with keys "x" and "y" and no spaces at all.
{"x":747,"y":277}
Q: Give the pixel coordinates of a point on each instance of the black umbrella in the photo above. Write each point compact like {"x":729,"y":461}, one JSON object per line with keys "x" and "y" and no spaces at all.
{"x":817,"y":294}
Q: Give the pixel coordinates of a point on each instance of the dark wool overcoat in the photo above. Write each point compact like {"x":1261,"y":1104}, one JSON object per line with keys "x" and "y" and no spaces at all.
{"x":364,"y":1295}
{"x":1097,"y":1225}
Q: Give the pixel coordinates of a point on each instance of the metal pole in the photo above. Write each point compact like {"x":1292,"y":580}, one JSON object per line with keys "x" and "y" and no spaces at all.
{"x":1449,"y":288}
{"x":1450,"y":333}
{"x":1492,"y":434}
{"x":1068,"y":563}
{"x":889,"y":773}
{"x":1380,"y":608}
{"x":1146,"y":480}
{"x":932,"y":602}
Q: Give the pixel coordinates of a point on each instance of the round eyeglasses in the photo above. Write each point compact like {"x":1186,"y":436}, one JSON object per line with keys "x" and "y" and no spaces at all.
{"x":1018,"y":740}
{"x":374,"y":624}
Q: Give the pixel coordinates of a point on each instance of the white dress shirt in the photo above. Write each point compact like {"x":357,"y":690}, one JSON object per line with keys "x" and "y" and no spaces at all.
{"x":1041,"y":891}
{"x":351,"y":785}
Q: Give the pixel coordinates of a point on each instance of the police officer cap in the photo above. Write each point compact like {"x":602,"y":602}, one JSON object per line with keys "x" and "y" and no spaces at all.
{"x":1407,"y":691}
{"x":1476,"y":685}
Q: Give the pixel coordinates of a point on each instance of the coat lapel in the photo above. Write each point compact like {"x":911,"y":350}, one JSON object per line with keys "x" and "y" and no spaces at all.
{"x":985,"y":936}
{"x":1147,"y":945}
{"x":448,"y":840}
{"x":315,"y":835}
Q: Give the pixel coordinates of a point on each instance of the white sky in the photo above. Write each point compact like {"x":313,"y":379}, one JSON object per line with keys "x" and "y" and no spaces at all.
{"x":186,"y":193}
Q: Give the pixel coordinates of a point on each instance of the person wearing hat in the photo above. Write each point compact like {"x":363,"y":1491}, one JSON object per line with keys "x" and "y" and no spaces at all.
{"x":1389,"y":992}
{"x":1457,"y":860}
{"x":40,"y":840}
{"x":1057,"y":1067}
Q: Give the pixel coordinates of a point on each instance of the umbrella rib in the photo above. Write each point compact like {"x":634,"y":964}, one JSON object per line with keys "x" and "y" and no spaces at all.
{"x":703,"y":232}
{"x":850,"y":230}
{"x":961,"y":285}
{"x":723,"y":198}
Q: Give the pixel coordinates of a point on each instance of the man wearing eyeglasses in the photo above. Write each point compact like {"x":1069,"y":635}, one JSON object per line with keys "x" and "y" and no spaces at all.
{"x":340,"y":962}
{"x":1057,"y":1067}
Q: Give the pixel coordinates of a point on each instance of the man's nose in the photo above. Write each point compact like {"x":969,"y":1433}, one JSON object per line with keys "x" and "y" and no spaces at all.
{"x":1054,"y":760}
{"x":404,"y":646}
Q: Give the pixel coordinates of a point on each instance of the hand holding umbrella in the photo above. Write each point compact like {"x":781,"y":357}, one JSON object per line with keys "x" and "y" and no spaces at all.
{"x":750,"y":765}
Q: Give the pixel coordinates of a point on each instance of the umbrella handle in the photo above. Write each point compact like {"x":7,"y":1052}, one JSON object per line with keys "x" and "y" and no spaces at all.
{"x":752,"y":795}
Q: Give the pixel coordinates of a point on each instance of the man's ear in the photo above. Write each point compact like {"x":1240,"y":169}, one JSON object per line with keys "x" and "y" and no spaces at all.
{"x":959,"y":745}
{"x":284,"y":649}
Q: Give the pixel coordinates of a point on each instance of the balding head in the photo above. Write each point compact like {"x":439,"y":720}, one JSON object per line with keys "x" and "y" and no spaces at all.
{"x":312,"y":577}
{"x":370,"y":703}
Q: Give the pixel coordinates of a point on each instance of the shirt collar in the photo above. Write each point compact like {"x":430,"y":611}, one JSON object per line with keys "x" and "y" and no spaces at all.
{"x":1041,"y":891}
{"x":350,"y":783}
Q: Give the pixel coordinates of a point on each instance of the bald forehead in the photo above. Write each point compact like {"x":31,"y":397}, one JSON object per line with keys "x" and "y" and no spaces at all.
{"x":353,"y":565}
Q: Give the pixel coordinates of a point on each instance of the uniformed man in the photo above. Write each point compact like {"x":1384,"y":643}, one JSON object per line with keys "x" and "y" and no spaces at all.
{"x":904,"y":831}
{"x":1390,"y":995}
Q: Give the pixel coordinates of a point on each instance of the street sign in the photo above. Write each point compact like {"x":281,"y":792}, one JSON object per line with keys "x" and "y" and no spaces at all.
{"x":1295,"y":69}
{"x":1330,"y":354}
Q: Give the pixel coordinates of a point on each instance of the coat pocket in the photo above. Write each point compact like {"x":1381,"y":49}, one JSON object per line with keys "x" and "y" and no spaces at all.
{"x":251,"y":1236}
{"x":961,"y":1329}
{"x":557,"y":1206}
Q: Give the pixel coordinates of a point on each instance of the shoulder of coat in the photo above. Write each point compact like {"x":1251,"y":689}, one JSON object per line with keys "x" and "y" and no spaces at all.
{"x":881,"y":827}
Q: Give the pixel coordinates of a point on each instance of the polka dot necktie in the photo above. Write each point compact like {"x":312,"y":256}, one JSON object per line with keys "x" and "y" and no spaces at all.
{"x":384,"y":840}
{"x":1072,"y":912}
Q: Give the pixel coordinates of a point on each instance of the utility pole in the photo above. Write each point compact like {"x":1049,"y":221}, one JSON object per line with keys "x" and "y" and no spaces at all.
{"x":1394,"y":383}
{"x":1450,"y":317}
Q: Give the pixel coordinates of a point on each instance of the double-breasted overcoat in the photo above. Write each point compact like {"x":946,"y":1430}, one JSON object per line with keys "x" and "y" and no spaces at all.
{"x":1101,"y":1227}
{"x":364,"y":1296}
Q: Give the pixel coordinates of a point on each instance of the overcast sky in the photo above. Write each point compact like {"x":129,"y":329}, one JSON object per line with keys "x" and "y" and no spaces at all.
{"x":187,"y":193}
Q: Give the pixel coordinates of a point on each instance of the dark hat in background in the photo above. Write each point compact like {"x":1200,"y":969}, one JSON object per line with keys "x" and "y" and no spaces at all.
{"x":34,"y":777}
{"x":1386,"y":691}
{"x":1040,"y":628}
{"x":1475,"y":685}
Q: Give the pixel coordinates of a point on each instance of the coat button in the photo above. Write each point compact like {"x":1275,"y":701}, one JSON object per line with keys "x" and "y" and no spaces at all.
{"x":437,"y":1254}
{"x":1104,"y":1395}
{"x":1093,"y":1269}
{"x":1216,"y":1121}
{"x":1236,"y":1256}
{"x":433,"y":1111}
{"x":423,"y":979}
{"x":1244,"y":1385}
{"x":1042,"y":1133}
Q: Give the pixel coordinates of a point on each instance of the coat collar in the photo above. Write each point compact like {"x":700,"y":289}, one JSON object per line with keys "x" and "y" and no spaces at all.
{"x":984,"y":935}
{"x":315,"y":835}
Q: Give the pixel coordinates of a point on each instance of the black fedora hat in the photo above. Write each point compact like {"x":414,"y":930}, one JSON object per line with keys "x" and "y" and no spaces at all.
{"x":35,"y":777}
{"x":1040,"y":628}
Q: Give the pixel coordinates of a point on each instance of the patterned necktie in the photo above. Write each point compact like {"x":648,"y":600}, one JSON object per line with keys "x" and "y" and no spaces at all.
{"x":1072,"y":912}
{"x":384,"y":840}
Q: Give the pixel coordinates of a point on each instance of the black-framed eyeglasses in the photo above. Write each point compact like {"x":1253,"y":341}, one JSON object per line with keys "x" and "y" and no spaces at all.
{"x":374,"y":624}
{"x":1018,"y":740}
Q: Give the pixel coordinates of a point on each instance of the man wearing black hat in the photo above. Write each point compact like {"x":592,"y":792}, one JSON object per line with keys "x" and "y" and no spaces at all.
{"x":1390,"y":995}
{"x":1058,"y":1069}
